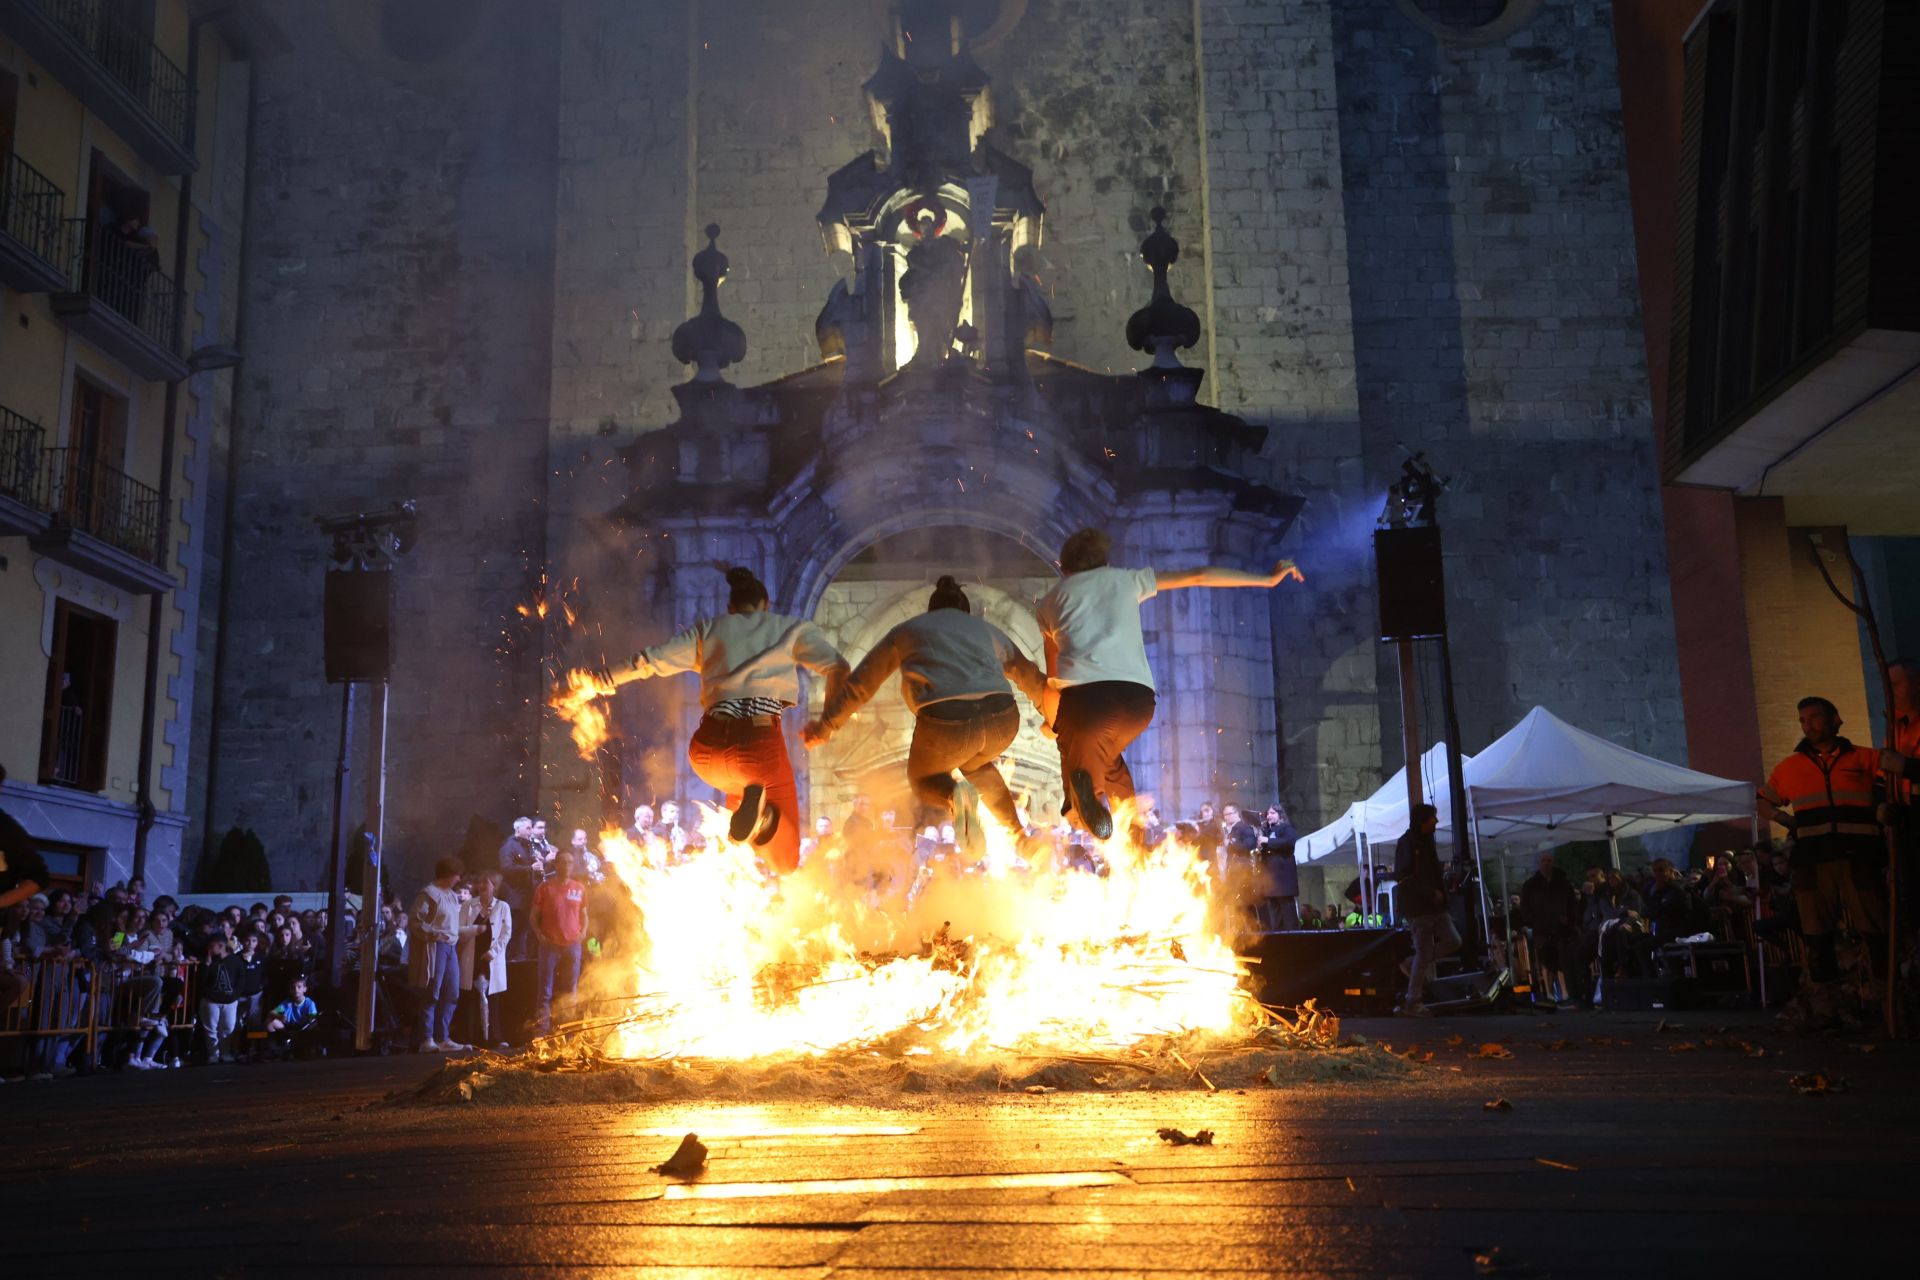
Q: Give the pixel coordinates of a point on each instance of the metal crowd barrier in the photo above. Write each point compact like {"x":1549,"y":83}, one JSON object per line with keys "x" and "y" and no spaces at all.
{"x":69,"y":996}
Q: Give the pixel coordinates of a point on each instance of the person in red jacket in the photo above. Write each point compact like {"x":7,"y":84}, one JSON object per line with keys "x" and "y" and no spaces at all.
{"x":1839,"y":853}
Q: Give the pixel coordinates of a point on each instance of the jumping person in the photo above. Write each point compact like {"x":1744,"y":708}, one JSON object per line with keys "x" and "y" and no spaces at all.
{"x":1100,"y":692}
{"x":748,"y":662}
{"x":954,"y":673}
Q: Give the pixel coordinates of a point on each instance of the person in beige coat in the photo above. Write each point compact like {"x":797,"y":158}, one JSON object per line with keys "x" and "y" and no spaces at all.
{"x":486,"y":927}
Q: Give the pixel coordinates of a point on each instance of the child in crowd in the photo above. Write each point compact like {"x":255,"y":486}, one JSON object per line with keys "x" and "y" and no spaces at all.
{"x":219,"y":999}
{"x":253,"y":977}
{"x":294,"y":1019}
{"x":296,"y":1011}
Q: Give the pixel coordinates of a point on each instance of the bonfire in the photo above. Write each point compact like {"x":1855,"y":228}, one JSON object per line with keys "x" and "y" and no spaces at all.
{"x":1003,"y":959}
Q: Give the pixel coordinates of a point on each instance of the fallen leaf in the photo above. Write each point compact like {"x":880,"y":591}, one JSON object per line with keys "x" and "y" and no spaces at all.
{"x":1498,"y":1104}
{"x":1816,"y":1083}
{"x":1204,"y":1138}
{"x":688,"y":1159}
{"x":1494,"y":1262}
{"x":1456,"y":1041}
{"x":1599,"y":1039}
{"x":1683,"y":1046}
{"x":1265,"y":1076}
{"x":1491,"y":1050}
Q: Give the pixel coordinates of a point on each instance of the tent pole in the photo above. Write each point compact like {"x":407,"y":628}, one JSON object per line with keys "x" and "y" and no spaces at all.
{"x":1759,"y":943}
{"x":1410,"y":723}
{"x":1480,"y":875}
{"x":1613,"y":845}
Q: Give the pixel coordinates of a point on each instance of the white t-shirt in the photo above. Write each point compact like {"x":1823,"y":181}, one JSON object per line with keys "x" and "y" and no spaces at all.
{"x":1093,"y":619}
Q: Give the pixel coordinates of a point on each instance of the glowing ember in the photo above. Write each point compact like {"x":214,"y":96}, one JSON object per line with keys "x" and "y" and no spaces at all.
{"x":733,"y":962}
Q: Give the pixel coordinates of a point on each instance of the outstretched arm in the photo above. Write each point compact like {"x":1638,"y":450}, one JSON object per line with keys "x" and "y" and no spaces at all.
{"x":1219,"y":575}
{"x":583,"y":684}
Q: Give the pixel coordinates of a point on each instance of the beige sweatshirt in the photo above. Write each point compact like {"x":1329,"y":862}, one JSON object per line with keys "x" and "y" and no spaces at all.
{"x":745,"y":655}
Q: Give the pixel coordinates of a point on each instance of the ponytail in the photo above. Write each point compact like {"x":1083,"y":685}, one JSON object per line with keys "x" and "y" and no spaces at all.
{"x":948,"y":595}
{"x":745,"y":593}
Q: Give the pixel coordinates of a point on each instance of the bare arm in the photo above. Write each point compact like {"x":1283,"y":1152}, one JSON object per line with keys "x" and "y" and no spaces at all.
{"x":1219,"y":575}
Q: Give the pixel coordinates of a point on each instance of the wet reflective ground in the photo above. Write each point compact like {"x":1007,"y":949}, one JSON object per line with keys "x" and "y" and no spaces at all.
{"x":1629,"y":1151}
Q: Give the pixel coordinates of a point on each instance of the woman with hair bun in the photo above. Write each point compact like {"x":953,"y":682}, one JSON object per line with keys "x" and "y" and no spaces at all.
{"x":1100,"y":691}
{"x":954,"y":673}
{"x":749,"y":662}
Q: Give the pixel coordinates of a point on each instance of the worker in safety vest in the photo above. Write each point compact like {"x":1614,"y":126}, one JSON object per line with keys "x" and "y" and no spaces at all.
{"x":1839,"y":853}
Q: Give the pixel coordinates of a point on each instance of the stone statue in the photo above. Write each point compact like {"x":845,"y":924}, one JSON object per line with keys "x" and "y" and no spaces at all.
{"x":933,"y":289}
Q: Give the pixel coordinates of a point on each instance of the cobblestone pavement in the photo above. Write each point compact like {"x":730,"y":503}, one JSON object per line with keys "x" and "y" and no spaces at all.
{"x":1629,"y":1150}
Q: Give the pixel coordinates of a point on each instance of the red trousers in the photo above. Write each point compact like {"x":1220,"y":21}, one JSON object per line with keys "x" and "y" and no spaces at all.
{"x":732,"y":755}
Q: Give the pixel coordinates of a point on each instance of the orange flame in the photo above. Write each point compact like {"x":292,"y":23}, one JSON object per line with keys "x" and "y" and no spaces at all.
{"x":1004,"y":957}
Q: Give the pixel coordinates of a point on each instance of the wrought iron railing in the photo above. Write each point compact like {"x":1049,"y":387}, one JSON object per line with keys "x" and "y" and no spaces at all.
{"x":69,"y":747}
{"x":22,"y":459}
{"x":125,"y":274}
{"x":33,"y":210}
{"x":86,"y":494}
{"x":128,"y":54}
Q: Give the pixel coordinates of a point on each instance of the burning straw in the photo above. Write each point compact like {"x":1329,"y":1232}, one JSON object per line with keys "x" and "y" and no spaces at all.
{"x":1117,"y":975}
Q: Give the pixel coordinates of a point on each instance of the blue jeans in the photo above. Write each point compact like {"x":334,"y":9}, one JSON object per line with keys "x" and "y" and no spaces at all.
{"x":443,"y":992}
{"x":551,"y":956}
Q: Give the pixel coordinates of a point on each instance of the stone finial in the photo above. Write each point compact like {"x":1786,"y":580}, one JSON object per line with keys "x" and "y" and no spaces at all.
{"x":710,"y":342}
{"x":1163,"y":324}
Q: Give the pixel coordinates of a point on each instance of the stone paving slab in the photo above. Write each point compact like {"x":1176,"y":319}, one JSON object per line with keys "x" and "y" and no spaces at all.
{"x":1623,"y":1158}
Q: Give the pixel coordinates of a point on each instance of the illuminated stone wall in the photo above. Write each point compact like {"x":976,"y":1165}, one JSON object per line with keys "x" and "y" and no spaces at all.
{"x":469,"y":262}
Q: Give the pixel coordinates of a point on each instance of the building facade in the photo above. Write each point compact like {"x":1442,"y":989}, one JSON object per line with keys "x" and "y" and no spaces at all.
{"x":1773,"y":160}
{"x":123,"y":135}
{"x":1403,"y":227}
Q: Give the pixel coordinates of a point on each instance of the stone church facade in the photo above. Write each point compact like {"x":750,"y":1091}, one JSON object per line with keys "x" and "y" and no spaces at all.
{"x":481,"y":277}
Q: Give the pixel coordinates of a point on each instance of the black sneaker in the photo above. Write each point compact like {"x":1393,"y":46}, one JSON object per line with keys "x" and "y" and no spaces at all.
{"x":769,"y":823}
{"x":746,"y":819}
{"x":1093,"y":814}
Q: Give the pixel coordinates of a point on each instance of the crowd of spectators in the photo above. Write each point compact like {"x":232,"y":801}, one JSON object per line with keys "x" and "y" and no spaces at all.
{"x":176,"y":983}
{"x":1569,"y":939}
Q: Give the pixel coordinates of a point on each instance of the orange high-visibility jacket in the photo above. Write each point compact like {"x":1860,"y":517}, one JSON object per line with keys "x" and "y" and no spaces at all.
{"x":1832,"y":798}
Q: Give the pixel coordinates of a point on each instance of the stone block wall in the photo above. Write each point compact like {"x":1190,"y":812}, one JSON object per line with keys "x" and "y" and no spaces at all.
{"x":397,"y":340}
{"x":1455,"y":261}
{"x":468,"y":261}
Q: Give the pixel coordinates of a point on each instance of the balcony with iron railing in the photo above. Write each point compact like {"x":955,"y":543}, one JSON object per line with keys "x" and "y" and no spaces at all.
{"x":23,"y":507}
{"x":115,"y":68}
{"x":90,"y":497}
{"x":100,"y":520}
{"x":121,"y":301}
{"x":33,"y":229}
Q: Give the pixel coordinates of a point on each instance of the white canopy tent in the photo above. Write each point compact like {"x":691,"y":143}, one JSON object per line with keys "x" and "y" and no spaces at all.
{"x":1381,"y":818}
{"x":1542,"y":782}
{"x":1545,"y":782}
